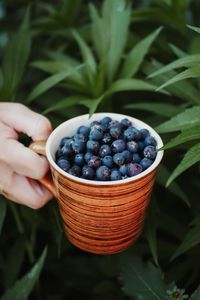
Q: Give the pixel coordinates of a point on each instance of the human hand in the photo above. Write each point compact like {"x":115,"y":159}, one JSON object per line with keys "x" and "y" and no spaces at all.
{"x":19,"y":165}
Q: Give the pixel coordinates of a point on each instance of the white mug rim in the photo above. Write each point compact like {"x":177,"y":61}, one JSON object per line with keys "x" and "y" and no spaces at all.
{"x":135,"y":121}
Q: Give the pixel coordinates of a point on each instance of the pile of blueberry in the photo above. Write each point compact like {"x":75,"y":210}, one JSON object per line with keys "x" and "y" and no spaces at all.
{"x":107,"y":150}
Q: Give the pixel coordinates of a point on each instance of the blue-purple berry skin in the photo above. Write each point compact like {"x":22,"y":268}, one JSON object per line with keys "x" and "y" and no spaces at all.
{"x":103,"y":173}
{"x":107,"y":138}
{"x":144,"y":132}
{"x":127,"y":155}
{"x":79,"y":159}
{"x":125,"y":123}
{"x":132,"y":146}
{"x":85,"y":130}
{"x":118,"y":159}
{"x":118,"y":146}
{"x":63,"y":164}
{"x":93,"y":146}
{"x":140,"y":145}
{"x":87,"y":156}
{"x":123,"y":170}
{"x":105,"y":120}
{"x":78,"y":146}
{"x":104,"y":150}
{"x":145,"y":163}
{"x":81,"y":137}
{"x":75,"y":171}
{"x":64,"y":140}
{"x":94,"y":123}
{"x":134,"y":169}
{"x":150,"y":152}
{"x":94,"y":162}
{"x":96,"y":134}
{"x":115,"y":131}
{"x":150,"y":140}
{"x":58,"y":154}
{"x":115,"y":175}
{"x":136,"y":158}
{"x":67,"y":150}
{"x":88,"y":172}
{"x":108,"y":161}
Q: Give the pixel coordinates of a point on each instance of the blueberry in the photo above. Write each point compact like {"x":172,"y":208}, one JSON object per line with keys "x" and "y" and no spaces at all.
{"x":58,"y":154}
{"x":145,"y":163}
{"x":88,"y":172}
{"x":115,"y":175}
{"x":149,"y":140}
{"x":105,"y":120}
{"x":108,"y":161}
{"x":136,"y":158}
{"x":125,"y":123}
{"x":94,"y":123}
{"x":150,"y":152}
{"x":63,"y":164}
{"x":104,"y":150}
{"x":93,"y":146}
{"x":64,"y":141}
{"x":123,"y":170}
{"x":115,"y":131}
{"x":81,"y":137}
{"x":96,"y":134}
{"x":118,"y":146}
{"x":118,"y":159}
{"x":94,"y":162}
{"x":131,"y":133}
{"x":75,"y":171}
{"x":78,"y":146}
{"x":67,"y":150}
{"x":85,"y":130}
{"x":140,"y":145}
{"x":127,"y":155}
{"x":103,"y":173}
{"x":79,"y":159}
{"x":107,"y":138}
{"x":132,"y":146}
{"x":144,"y":132}
{"x":134,"y":169}
{"x":87,"y":156}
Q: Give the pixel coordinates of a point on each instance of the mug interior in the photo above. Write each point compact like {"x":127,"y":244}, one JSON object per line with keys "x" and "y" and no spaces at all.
{"x":69,"y":128}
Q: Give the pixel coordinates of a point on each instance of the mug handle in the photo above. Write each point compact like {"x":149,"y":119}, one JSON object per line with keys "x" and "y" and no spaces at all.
{"x":47,"y":181}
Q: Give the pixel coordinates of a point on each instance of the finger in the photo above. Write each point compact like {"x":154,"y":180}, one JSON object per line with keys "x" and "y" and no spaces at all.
{"x":23,"y":160}
{"x":22,"y":119}
{"x":27,"y":192}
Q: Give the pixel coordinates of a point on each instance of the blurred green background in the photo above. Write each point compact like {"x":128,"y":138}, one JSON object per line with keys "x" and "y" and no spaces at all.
{"x":141,"y":58}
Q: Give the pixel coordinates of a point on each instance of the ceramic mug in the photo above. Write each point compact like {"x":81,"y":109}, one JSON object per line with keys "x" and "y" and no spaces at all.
{"x":101,"y":217}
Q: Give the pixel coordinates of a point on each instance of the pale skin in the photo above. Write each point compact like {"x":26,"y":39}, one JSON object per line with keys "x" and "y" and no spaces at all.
{"x":20,"y":167}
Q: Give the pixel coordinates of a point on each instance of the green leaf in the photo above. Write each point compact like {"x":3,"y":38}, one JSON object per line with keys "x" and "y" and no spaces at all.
{"x":177,"y":51}
{"x":130,"y":85}
{"x":15,"y":256}
{"x":143,"y":282}
{"x":191,"y":157}
{"x":189,"y":73}
{"x":163,"y":109}
{"x":87,"y":55}
{"x":187,"y":61}
{"x":185,"y":136}
{"x":196,"y":294}
{"x":3,"y":207}
{"x":65,"y":103}
{"x":15,"y":59}
{"x":162,"y":176}
{"x":191,"y":239}
{"x":23,"y":287}
{"x":194,"y":28}
{"x":185,"y":120}
{"x":50,"y":82}
{"x":135,"y":58}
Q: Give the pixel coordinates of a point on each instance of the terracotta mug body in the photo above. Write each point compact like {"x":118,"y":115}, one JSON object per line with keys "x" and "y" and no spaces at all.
{"x":99,"y":217}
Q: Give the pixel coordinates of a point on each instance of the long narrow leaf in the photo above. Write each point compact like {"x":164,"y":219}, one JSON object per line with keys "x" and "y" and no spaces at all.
{"x":196,"y":294}
{"x":163,"y":109}
{"x":194,"y":28}
{"x":191,"y":239}
{"x":137,"y":54}
{"x":185,"y":136}
{"x":179,"y":63}
{"x":185,"y":120}
{"x":23,"y":287}
{"x":189,"y":73}
{"x":50,"y":82}
{"x":191,"y":157}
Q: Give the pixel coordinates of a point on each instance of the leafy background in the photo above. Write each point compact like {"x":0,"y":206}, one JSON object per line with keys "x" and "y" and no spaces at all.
{"x":64,"y":58}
